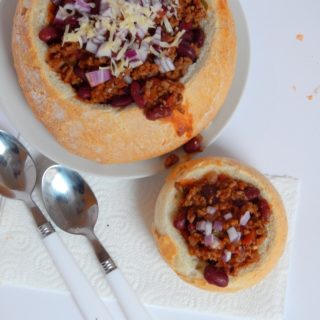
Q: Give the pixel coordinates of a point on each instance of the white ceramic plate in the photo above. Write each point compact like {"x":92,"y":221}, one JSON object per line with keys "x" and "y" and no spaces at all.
{"x":14,"y":105}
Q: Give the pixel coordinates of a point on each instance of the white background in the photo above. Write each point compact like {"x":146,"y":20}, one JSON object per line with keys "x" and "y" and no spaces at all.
{"x":276,"y":129}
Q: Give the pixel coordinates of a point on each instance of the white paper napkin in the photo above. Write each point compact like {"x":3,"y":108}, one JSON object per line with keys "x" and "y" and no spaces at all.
{"x":126,"y":213}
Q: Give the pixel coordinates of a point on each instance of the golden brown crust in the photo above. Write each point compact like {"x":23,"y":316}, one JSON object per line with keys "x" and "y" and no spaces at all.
{"x":106,"y":135}
{"x":169,"y":240}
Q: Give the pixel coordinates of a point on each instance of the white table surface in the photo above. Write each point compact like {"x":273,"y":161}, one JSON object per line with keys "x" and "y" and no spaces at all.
{"x":276,"y":129}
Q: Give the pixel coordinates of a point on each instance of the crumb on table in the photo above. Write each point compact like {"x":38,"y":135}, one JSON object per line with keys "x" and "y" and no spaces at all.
{"x":300,"y":37}
{"x":171,"y":160}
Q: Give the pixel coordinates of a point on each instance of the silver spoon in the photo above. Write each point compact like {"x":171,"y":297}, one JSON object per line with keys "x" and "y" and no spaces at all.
{"x":17,"y":181}
{"x":73,"y":207}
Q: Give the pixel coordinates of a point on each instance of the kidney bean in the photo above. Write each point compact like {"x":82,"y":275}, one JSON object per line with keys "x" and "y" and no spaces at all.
{"x":216,"y":276}
{"x":198,"y":37}
{"x":180,"y":222}
{"x":193,"y":145}
{"x":158,"y":112}
{"x":188,"y":36}
{"x":265,"y":209}
{"x":84,"y":92}
{"x":49,"y":34}
{"x":72,"y":21}
{"x":185,"y":50}
{"x":252,"y":193}
{"x":121,"y":101}
{"x":136,"y":94}
{"x":185,"y":25}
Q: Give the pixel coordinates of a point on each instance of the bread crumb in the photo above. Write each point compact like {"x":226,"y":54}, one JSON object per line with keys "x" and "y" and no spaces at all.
{"x":300,"y":37}
{"x":314,"y":93}
{"x":171,"y":160}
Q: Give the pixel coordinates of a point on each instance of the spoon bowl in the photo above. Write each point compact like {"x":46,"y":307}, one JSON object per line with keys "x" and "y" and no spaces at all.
{"x":69,"y":199}
{"x":17,"y":169}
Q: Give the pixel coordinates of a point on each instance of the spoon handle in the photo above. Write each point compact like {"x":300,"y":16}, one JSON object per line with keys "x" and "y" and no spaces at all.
{"x":130,"y":304}
{"x":127,"y":298}
{"x":89,"y":303}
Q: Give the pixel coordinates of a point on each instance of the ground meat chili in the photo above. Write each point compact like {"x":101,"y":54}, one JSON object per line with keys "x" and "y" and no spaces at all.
{"x":224,"y":222}
{"x":124,"y":51}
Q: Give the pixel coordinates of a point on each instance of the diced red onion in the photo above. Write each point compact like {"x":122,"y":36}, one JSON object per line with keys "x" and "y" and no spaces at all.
{"x":84,"y":18}
{"x":157,"y":37}
{"x":107,"y":13}
{"x":99,"y":38}
{"x":232,"y":234}
{"x":245,"y":218}
{"x":62,"y":13}
{"x":227,"y":256}
{"x":146,"y":3}
{"x":212,"y":241}
{"x":131,"y":54}
{"x":83,"y":7}
{"x":208,"y":229}
{"x":239,"y":236}
{"x":211,"y":210}
{"x":208,"y":240}
{"x":201,"y":226}
{"x":122,"y":33}
{"x":104,"y":51}
{"x":140,"y":32}
{"x":157,"y":5}
{"x":217,"y":226}
{"x":143,"y":51}
{"x":84,"y":39}
{"x":60,"y":17}
{"x":165,"y":64}
{"x":135,"y":63}
{"x":92,"y":47}
{"x":98,"y":76}
{"x":228,"y":216}
{"x":56,"y":2}
{"x":133,"y":57}
{"x":104,"y":5}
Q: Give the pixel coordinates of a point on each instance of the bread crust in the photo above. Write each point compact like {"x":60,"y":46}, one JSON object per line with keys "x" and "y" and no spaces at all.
{"x":173,"y":247}
{"x":104,"y":134}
